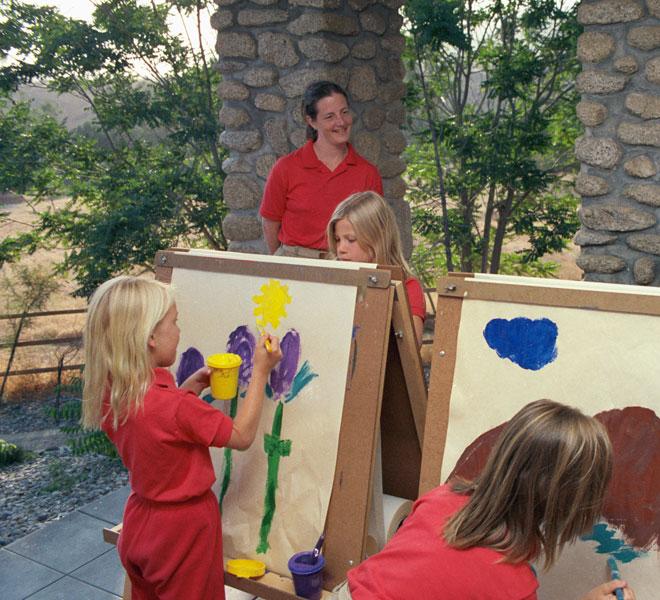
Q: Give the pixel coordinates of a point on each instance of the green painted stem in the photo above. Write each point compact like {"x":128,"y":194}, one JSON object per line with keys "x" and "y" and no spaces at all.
{"x":275,"y":448}
{"x":226,"y":476}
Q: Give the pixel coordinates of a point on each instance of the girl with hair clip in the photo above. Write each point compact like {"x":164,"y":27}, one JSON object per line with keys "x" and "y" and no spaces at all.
{"x":363,"y":228}
{"x":304,"y":186}
{"x":542,"y":486}
{"x":171,"y":541}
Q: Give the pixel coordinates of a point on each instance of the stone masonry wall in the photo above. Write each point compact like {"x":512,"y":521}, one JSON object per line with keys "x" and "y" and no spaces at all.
{"x":620,"y":109}
{"x":269,"y":51}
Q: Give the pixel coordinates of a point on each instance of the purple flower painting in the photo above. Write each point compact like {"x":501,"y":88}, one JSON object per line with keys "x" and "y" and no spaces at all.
{"x":281,"y":377}
{"x":191,"y":361}
{"x":242,"y":342}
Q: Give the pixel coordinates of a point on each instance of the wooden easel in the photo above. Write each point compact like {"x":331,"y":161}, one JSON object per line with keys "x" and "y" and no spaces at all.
{"x":384,"y":386}
{"x":455,"y":391}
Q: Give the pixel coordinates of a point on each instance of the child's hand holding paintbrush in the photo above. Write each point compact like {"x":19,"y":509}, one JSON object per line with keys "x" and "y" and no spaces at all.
{"x":616,"y":588}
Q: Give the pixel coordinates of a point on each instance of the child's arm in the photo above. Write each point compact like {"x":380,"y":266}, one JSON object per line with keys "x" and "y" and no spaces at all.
{"x":247,"y":419}
{"x":198,"y":381}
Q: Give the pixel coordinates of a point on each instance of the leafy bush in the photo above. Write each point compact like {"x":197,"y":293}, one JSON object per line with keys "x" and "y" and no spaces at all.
{"x":60,"y":479}
{"x":10,"y":453}
{"x":81,"y":441}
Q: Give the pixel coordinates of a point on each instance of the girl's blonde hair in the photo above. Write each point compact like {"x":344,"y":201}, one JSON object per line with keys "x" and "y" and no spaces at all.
{"x":375,"y":227}
{"x":543,"y":485}
{"x":121,"y":317}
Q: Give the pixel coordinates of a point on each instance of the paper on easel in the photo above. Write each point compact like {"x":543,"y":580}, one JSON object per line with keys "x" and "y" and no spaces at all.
{"x":395,"y":510}
{"x":387,"y":512}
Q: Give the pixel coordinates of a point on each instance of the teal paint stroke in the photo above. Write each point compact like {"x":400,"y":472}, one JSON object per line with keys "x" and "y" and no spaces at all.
{"x":604,"y":536}
{"x":302,"y":378}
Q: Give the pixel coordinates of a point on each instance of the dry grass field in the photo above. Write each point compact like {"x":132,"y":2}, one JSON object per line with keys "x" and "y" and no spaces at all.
{"x":20,"y":218}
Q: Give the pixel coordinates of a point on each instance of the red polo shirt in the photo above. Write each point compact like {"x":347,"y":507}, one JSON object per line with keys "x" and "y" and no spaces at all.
{"x":165,"y":444}
{"x":301,"y":193}
{"x":417,"y":563}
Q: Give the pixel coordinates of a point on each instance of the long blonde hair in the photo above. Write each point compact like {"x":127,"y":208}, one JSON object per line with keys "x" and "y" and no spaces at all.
{"x":543,"y":485}
{"x":375,"y":227}
{"x":121,"y":317}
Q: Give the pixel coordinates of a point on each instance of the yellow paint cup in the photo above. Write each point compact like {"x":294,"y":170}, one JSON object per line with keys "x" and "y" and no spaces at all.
{"x":224,"y":375}
{"x":244,"y":567}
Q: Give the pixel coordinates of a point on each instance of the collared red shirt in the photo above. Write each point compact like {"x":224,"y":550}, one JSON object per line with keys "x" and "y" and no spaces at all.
{"x":165,"y":444}
{"x":417,"y":563}
{"x":301,"y":193}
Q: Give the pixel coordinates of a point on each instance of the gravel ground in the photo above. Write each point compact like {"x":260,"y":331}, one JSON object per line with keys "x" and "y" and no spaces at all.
{"x":51,"y":482}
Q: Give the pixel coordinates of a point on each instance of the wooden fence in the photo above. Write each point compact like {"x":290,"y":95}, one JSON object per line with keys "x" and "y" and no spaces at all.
{"x":78,"y":339}
{"x":42,"y":342}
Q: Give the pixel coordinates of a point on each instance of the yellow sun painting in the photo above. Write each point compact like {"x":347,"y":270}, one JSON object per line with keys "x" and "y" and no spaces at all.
{"x":270,"y":304}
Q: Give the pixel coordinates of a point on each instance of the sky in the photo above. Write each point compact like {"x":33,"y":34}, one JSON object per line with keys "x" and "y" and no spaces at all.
{"x":82,"y":9}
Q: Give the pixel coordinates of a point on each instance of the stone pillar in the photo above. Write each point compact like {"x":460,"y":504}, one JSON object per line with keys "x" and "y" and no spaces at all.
{"x":620,"y":109}
{"x":269,"y":51}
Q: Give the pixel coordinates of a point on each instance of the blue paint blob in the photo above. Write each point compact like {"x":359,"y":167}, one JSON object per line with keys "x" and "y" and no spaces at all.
{"x":608,"y":544}
{"x":529,"y":343}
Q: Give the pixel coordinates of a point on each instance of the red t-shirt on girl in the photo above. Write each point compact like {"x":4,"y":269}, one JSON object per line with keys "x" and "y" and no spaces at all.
{"x":417,"y":564}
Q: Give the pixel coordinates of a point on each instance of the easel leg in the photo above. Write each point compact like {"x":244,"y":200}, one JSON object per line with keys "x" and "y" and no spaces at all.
{"x":126,"y":595}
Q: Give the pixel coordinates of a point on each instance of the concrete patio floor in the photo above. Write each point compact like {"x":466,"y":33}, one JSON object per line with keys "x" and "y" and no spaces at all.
{"x":68,"y":559}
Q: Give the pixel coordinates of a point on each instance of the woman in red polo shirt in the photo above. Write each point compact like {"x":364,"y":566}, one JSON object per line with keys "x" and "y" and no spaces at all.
{"x":304,"y":187}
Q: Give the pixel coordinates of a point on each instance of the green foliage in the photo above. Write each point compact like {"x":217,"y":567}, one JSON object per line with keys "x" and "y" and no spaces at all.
{"x":81,"y":441}
{"x":10,"y":453}
{"x":493,"y":126}
{"x":31,"y":151}
{"x":26,"y":289}
{"x":145,"y":173}
{"x":60,"y":479}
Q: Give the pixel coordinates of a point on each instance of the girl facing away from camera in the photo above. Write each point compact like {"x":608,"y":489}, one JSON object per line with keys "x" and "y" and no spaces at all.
{"x":363,"y":228}
{"x":171,"y":541}
{"x":542,"y":486}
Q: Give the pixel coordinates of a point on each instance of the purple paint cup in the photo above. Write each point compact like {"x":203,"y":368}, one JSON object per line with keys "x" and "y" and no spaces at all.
{"x":307,"y":572}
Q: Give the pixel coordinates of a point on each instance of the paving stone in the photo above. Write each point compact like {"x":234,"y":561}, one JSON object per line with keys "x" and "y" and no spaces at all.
{"x":53,"y":546}
{"x":21,"y":577}
{"x":69,"y":588}
{"x":105,"y":572}
{"x":109,"y":508}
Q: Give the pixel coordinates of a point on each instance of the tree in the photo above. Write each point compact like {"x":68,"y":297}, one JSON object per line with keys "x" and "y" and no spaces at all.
{"x":151,"y":175}
{"x":27,"y":290}
{"x":491,"y":94}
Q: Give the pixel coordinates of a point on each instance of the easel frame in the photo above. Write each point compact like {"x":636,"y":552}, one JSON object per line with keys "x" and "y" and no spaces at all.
{"x":452,"y":291}
{"x":597,"y":313}
{"x":381,"y":302}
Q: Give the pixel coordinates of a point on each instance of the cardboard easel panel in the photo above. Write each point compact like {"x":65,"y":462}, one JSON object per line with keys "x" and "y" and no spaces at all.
{"x":346,"y":522}
{"x":404,"y":404}
{"x":601,"y":358}
{"x":456,"y":288}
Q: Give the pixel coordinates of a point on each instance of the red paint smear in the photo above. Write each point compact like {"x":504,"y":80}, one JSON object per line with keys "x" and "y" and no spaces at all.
{"x":633,"y":499}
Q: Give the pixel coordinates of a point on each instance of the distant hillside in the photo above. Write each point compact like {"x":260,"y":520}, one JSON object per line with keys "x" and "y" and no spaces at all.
{"x":66,"y":107}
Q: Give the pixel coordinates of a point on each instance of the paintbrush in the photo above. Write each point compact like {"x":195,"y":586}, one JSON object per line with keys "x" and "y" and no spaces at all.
{"x":262,"y":331}
{"x":615,"y":574}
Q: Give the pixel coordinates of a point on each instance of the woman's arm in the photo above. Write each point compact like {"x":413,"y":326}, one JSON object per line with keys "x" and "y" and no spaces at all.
{"x":271,"y":230}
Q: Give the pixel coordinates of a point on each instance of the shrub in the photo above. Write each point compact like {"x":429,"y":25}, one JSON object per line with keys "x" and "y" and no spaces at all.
{"x":10,"y":453}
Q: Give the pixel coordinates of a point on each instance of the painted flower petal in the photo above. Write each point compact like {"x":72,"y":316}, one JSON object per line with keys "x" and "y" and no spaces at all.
{"x":281,"y":377}
{"x":242,"y":342}
{"x":191,"y":361}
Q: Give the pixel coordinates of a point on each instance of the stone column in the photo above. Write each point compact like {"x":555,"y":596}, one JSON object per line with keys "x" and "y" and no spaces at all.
{"x":620,"y":108}
{"x":269,"y":51}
